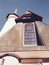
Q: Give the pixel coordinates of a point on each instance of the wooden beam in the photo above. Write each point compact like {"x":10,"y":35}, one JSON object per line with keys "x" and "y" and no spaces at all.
{"x":29,"y":61}
{"x":37,"y":60}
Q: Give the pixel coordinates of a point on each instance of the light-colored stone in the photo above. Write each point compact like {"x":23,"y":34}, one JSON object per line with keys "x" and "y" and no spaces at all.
{"x":43,"y":32}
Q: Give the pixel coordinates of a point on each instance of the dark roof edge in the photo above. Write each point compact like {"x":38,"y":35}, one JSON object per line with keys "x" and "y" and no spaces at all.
{"x":11,"y":14}
{"x":35,"y":14}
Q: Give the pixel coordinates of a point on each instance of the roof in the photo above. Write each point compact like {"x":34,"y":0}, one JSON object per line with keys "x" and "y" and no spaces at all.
{"x":8,"y":41}
{"x":29,"y":16}
{"x":43,"y":32}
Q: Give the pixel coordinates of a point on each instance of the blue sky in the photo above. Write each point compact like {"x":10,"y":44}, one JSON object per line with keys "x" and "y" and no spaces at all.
{"x":40,"y":7}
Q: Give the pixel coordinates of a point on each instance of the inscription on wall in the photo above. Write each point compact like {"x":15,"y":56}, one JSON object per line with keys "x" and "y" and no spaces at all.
{"x":29,"y":34}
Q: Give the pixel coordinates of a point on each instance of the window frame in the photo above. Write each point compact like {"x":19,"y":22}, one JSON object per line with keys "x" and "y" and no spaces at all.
{"x":35,"y":36}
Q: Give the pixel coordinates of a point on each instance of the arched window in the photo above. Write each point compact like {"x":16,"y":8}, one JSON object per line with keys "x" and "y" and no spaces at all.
{"x":29,"y":35}
{"x":8,"y":59}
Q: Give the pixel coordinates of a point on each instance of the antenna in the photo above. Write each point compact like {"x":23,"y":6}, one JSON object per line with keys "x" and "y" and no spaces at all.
{"x":16,"y":10}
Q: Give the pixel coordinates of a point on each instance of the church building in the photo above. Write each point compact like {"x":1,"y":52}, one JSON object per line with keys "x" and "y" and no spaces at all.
{"x":25,"y":37}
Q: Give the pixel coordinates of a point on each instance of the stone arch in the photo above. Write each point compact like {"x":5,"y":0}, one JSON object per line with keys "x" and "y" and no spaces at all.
{"x":12,"y":55}
{"x":8,"y":58}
